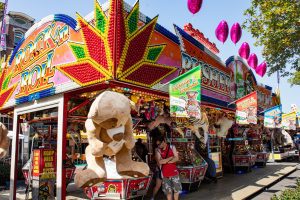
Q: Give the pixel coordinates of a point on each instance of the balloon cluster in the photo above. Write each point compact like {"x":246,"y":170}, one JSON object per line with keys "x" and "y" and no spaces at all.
{"x":244,"y":51}
{"x":222,"y":32}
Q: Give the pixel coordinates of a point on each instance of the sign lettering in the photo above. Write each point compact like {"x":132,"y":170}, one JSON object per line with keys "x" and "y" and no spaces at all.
{"x":37,"y":78}
{"x":45,"y":41}
{"x":212,"y":78}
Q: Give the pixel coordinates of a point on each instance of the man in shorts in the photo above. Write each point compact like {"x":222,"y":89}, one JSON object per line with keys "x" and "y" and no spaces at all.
{"x":167,"y":156}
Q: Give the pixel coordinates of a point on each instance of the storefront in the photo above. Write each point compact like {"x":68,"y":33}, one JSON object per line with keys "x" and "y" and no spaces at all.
{"x":215,"y":85}
{"x":56,"y":71}
{"x":63,"y":64}
{"x":247,"y":142}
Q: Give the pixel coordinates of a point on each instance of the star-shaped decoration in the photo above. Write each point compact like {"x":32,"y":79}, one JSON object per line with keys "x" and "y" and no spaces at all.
{"x":116,"y":48}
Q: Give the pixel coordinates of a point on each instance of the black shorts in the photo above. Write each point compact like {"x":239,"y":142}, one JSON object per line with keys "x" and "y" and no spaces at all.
{"x":158,"y":174}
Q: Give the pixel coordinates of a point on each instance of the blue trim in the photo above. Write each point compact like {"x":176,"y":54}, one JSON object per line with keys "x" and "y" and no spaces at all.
{"x":229,"y":60}
{"x":268,"y":87}
{"x":35,"y":96}
{"x":189,"y":38}
{"x":16,"y":50}
{"x":217,"y":102}
{"x":57,"y":17}
{"x":66,"y":19}
{"x":164,"y":31}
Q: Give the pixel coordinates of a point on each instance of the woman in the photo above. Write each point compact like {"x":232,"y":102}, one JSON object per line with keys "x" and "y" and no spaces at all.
{"x":167,"y":156}
{"x":155,"y":134}
{"x":157,"y":176}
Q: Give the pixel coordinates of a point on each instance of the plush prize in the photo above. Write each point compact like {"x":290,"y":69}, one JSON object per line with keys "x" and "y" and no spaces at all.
{"x":225,"y":124}
{"x":109,"y":131}
{"x":4,"y":140}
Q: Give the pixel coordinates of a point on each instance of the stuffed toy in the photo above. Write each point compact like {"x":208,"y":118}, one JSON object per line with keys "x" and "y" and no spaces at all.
{"x":279,"y":138}
{"x":4,"y":141}
{"x":109,"y":130}
{"x":288,"y":138}
{"x":225,"y":124}
{"x":194,"y":125}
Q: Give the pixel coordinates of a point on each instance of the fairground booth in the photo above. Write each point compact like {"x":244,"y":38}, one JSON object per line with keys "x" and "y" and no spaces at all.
{"x":252,"y":99}
{"x":62,"y":64}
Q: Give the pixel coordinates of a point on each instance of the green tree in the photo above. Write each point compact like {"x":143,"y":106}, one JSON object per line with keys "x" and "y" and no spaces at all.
{"x":276,"y":26}
{"x":295,"y":80}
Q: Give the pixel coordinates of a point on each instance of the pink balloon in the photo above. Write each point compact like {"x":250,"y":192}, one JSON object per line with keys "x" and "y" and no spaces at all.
{"x":222,"y":31}
{"x":235,"y":33}
{"x":252,"y":60}
{"x":244,"y":50}
{"x":261,"y":69}
{"x":194,"y":5}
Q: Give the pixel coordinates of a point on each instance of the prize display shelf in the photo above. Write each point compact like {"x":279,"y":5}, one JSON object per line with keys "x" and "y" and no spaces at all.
{"x":191,"y":166}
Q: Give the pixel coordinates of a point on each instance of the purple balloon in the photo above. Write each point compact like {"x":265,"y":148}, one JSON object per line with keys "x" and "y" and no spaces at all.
{"x":222,"y":31}
{"x":252,"y":60}
{"x":244,"y":50}
{"x":261,"y":69}
{"x":194,"y":5}
{"x":235,"y":33}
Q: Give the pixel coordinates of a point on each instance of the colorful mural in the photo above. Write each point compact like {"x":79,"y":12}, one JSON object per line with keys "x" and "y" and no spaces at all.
{"x":59,"y":54}
{"x":123,"y":55}
{"x":33,"y":62}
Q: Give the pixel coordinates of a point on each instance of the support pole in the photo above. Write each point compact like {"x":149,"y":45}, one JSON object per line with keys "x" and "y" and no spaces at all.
{"x":61,"y":148}
{"x":14,"y":160}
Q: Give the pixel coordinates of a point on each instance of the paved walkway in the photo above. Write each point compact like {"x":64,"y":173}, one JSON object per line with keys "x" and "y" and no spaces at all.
{"x":231,"y":186}
{"x":241,"y":186}
{"x":286,"y":183}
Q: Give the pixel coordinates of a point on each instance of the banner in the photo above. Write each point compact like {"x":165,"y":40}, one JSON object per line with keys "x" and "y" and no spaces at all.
{"x":3,"y":27}
{"x":185,"y":94}
{"x":246,"y":111}
{"x":272,"y":117}
{"x":289,"y":121}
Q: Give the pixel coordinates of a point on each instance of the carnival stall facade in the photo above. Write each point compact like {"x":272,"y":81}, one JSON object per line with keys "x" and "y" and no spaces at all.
{"x":251,"y":100}
{"x":215,"y":87}
{"x":61,"y":55}
{"x":63,"y":65}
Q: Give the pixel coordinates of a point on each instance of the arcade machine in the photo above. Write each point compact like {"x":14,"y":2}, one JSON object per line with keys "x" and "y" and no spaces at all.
{"x":40,"y":169}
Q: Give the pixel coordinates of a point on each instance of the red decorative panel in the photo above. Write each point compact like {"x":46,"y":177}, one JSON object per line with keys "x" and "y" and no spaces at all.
{"x":5,"y":95}
{"x":116,"y":31}
{"x":137,"y":46}
{"x":94,"y":44}
{"x":148,"y":74}
{"x":83,"y":73}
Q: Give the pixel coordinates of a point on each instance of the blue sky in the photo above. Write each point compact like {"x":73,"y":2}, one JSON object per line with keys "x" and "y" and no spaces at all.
{"x":175,"y":12}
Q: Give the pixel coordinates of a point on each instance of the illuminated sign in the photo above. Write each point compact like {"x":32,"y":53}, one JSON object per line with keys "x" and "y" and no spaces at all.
{"x":37,"y":78}
{"x":212,"y":78}
{"x":46,"y":40}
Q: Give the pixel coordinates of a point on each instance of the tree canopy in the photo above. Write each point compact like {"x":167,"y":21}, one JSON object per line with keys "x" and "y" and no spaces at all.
{"x":275,"y":24}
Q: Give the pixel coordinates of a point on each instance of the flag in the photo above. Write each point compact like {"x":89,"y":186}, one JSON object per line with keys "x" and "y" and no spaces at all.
{"x":246,"y":111}
{"x":272,"y":117}
{"x":3,"y":28}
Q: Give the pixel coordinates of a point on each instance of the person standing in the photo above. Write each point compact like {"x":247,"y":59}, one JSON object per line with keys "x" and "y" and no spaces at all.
{"x":141,"y":149}
{"x":157,"y":175}
{"x":167,"y":156}
{"x":162,"y":130}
